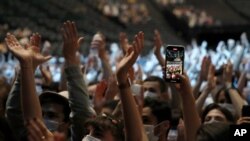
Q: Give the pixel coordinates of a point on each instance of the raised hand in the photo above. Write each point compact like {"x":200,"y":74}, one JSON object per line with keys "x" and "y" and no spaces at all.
{"x":130,"y":57}
{"x":211,"y":79}
{"x":38,"y":131}
{"x":124,"y":42}
{"x":157,"y":47}
{"x":228,"y":74}
{"x":29,"y":56}
{"x":157,"y":42}
{"x":184,"y":87}
{"x":206,"y":61}
{"x":71,"y":42}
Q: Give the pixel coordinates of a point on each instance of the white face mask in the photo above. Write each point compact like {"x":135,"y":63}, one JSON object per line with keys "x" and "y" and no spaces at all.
{"x":150,"y":132}
{"x":150,"y":94}
{"x":90,"y":138}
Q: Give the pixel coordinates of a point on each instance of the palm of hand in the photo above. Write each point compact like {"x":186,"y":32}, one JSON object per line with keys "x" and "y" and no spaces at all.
{"x":30,"y":54}
{"x":125,"y":63}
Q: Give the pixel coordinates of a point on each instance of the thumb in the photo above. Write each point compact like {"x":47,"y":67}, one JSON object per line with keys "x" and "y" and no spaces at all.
{"x":46,"y":58}
{"x":80,"y":40}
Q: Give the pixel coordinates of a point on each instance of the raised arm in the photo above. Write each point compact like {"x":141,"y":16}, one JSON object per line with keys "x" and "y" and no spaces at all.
{"x":234,"y":95}
{"x":29,"y":58}
{"x":78,"y":94}
{"x":157,"y":47}
{"x":206,"y":61}
{"x":211,"y":83}
{"x":190,"y":115}
{"x":103,"y":55}
{"x":133,"y":122}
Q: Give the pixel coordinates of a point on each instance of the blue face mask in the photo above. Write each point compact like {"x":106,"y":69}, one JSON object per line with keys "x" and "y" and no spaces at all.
{"x":90,"y":138}
{"x":52,"y":125}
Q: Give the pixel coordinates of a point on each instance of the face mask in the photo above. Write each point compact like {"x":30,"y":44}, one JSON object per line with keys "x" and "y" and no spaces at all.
{"x":51,"y":124}
{"x":150,"y":133}
{"x":90,"y":138}
{"x":172,"y":135}
{"x":150,"y":94}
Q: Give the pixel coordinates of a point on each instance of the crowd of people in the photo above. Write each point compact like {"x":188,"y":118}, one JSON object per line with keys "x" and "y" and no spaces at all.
{"x":127,"y":12}
{"x":117,"y":94}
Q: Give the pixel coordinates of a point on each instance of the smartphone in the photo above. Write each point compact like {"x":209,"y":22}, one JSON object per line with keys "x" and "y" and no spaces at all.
{"x":245,"y":111}
{"x":174,"y":62}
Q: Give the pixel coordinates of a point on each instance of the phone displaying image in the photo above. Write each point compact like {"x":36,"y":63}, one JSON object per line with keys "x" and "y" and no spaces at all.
{"x":174,"y":62}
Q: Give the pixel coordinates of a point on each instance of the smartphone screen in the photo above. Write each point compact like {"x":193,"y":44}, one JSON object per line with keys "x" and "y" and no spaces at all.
{"x":174,"y":62}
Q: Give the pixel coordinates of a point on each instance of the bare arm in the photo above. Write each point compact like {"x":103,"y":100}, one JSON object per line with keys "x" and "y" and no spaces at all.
{"x":191,"y":117}
{"x":210,"y":86}
{"x":133,"y":122}
{"x":202,"y":75}
{"x":29,"y":59}
{"x":157,"y":47}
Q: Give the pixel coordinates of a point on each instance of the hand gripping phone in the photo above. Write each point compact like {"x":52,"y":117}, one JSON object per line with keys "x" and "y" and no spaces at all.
{"x":174,"y":62}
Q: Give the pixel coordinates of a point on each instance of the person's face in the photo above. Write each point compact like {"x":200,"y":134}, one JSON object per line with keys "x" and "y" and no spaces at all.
{"x":53,"y":111}
{"x":53,"y":116}
{"x":153,"y":87}
{"x":215,"y":116}
{"x":221,"y":97}
{"x":148,"y":117}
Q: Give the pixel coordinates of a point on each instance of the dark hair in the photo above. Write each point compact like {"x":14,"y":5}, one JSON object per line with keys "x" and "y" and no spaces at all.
{"x":104,"y":123}
{"x":212,"y":106}
{"x":160,"y":109}
{"x":223,"y":89}
{"x":216,"y":131}
{"x":47,"y":97}
{"x":111,"y":104}
{"x":159,"y":80}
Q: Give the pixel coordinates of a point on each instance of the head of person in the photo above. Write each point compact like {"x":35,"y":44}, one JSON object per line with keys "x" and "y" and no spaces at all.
{"x":156,"y":116}
{"x":213,"y":132}
{"x":109,"y":107}
{"x":216,"y":113}
{"x":222,"y":96}
{"x":55,"y":110}
{"x":104,"y":128}
{"x":154,"y":87}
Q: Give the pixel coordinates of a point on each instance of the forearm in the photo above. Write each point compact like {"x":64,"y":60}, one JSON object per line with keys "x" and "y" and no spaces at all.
{"x":201,"y":100}
{"x":196,"y":88}
{"x":131,"y":116}
{"x":160,"y":59}
{"x":78,"y":99}
{"x":191,"y":117}
{"x":242,"y":82}
{"x":237,"y":101}
{"x":107,"y":72}
{"x":30,"y":102}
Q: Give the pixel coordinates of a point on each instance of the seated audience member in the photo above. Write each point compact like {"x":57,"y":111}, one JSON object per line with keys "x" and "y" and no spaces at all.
{"x":157,"y":114}
{"x":216,"y":113}
{"x":155,"y":87}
